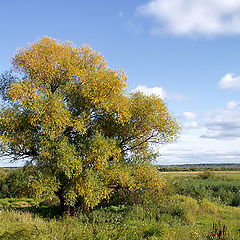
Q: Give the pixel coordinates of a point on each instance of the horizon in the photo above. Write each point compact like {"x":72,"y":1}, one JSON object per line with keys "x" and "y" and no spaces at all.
{"x":179,"y":52}
{"x":175,"y":165}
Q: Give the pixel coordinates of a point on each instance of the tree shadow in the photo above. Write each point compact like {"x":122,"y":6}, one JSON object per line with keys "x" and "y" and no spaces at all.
{"x":43,"y":211}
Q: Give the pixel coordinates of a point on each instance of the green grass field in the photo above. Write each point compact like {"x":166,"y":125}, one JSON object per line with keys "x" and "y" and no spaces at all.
{"x":188,"y":208}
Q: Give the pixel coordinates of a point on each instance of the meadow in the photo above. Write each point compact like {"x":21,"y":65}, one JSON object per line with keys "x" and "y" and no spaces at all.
{"x":193,"y":205}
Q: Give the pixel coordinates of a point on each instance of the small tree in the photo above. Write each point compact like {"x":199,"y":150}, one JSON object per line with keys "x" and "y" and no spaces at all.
{"x":66,"y":112}
{"x":15,"y":184}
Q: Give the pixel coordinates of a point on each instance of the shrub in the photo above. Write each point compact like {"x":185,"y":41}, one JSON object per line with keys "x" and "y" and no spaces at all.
{"x":146,"y":186}
{"x":206,"y":174}
{"x":208,"y":207}
{"x":15,"y":184}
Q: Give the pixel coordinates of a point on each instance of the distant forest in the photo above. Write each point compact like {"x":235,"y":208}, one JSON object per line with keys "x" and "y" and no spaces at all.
{"x":200,"y":167}
{"x":190,"y":167}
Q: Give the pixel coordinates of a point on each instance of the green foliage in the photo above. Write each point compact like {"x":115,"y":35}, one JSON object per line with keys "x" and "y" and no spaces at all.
{"x":173,"y":218}
{"x":16,"y":202}
{"x":4,"y":203}
{"x":165,"y":217}
{"x":222,"y":189}
{"x":14,"y":184}
{"x":146,"y":186}
{"x":208,"y":207}
{"x":207,"y":174}
{"x":3,"y":175}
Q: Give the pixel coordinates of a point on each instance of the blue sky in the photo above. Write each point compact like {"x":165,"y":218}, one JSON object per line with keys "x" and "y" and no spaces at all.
{"x":185,"y":51}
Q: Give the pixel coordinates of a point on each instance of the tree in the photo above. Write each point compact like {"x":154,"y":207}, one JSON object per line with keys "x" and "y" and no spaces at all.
{"x":14,"y":184}
{"x":66,"y":112}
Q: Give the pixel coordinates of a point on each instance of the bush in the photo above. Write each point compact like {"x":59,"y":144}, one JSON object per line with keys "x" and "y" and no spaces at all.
{"x":206,"y":174}
{"x":15,"y":184}
{"x":146,"y":186}
{"x":3,"y":175}
{"x":208,"y":207}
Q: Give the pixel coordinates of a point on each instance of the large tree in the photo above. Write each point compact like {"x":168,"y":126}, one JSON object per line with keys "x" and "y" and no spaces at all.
{"x":65,"y":112}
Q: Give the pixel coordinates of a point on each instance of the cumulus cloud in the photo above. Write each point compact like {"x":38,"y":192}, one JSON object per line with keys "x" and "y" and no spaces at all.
{"x":225,"y":123}
{"x":189,"y":116}
{"x":211,"y":136}
{"x":221,"y":133}
{"x":230,"y":81}
{"x":232,"y":105}
{"x":184,"y":17}
{"x":159,"y":91}
{"x":149,"y":91}
{"x":189,"y":119}
{"x":191,"y":148}
{"x":191,"y":125}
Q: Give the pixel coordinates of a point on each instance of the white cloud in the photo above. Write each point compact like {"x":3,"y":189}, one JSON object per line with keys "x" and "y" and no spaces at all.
{"x":193,"y":17}
{"x":189,"y":116}
{"x":149,"y":91}
{"x":191,"y":125}
{"x":230,"y":82}
{"x":189,"y":119}
{"x":232,"y":105}
{"x":180,"y":157}
{"x":224,"y":123}
{"x":159,"y":91}
{"x":192,"y":149}
{"x":210,"y":137}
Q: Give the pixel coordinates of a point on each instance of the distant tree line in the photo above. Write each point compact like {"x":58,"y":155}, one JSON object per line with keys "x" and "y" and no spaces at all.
{"x":199,"y":167}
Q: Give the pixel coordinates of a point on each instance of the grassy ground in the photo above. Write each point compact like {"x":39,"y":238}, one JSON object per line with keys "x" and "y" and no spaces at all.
{"x":180,"y":218}
{"x":175,"y":216}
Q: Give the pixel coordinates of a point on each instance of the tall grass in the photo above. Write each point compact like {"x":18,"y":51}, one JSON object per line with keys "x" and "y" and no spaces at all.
{"x":187,"y":210}
{"x":175,"y":217}
{"x":220,"y":188}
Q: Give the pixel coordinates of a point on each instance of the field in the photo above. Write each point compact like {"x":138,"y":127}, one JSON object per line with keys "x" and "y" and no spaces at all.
{"x":227,"y":174}
{"x":194,"y":205}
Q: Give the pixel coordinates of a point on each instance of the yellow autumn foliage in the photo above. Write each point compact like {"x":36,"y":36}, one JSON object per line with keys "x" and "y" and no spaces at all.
{"x":67,"y":113}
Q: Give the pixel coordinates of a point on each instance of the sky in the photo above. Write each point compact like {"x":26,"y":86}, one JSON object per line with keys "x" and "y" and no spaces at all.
{"x":187,"y":52}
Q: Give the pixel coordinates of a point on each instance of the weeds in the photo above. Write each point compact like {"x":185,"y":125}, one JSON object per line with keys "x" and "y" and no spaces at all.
{"x":168,"y":217}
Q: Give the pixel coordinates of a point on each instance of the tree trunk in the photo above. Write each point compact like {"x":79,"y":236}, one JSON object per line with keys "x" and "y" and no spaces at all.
{"x":79,"y":206}
{"x":60,"y":194}
{"x":71,"y":210}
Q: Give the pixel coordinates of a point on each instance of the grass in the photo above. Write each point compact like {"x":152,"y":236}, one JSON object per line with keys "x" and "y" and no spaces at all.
{"x":175,"y":216}
{"x":214,"y":186}
{"x":180,"y":218}
{"x":17,"y":202}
